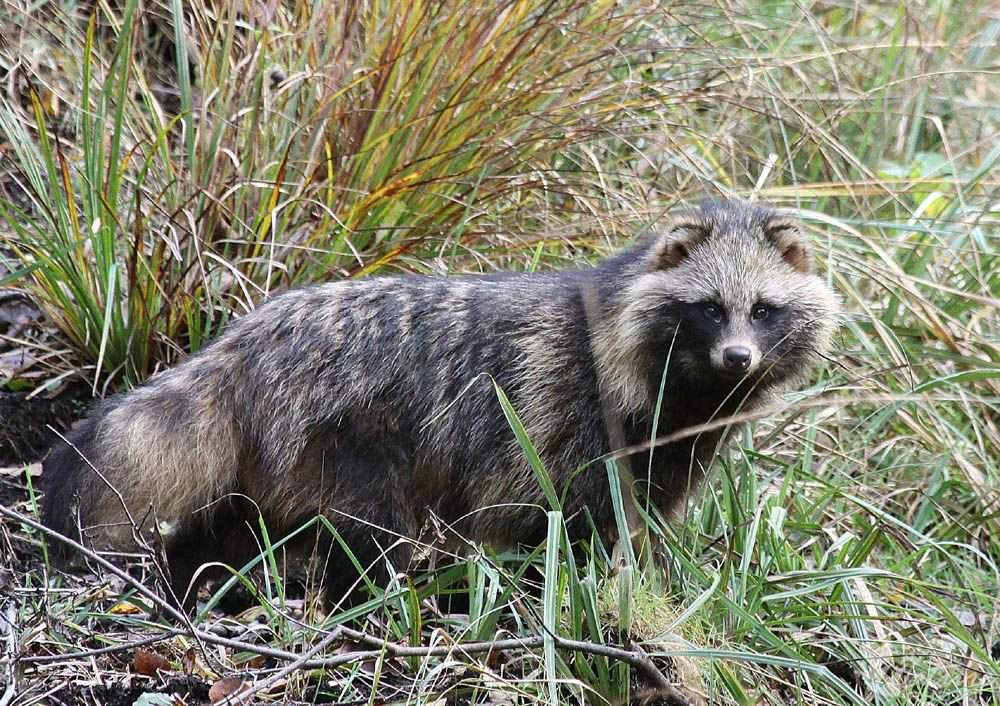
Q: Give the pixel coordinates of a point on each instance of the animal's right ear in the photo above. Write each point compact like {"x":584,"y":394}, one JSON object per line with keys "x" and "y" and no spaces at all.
{"x":674,"y":244}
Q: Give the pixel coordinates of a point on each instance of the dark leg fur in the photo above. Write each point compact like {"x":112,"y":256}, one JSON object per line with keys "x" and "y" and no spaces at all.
{"x":363,"y":477}
{"x":232,"y":538}
{"x":373,"y":549}
{"x":229,"y":538}
{"x":228,"y":531}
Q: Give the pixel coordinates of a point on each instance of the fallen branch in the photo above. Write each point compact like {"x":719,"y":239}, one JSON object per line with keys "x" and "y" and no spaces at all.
{"x":97,"y":651}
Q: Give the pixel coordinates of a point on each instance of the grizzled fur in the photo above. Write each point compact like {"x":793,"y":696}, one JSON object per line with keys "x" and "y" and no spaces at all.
{"x":371,"y":402}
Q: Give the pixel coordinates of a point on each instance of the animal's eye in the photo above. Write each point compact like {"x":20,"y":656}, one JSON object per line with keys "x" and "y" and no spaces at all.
{"x":713,"y":312}
{"x":760,"y":312}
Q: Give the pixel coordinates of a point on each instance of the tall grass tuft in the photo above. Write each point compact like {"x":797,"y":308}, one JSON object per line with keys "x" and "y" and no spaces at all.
{"x":306,"y":141}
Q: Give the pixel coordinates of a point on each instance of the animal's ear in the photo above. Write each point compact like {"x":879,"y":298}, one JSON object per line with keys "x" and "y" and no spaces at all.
{"x":786,"y":235}
{"x":674,"y":244}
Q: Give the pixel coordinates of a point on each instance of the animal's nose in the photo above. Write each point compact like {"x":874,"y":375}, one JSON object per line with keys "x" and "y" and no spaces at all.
{"x":737,"y":357}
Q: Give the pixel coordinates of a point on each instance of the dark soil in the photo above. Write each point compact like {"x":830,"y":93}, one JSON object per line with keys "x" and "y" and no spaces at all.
{"x":25,"y":435}
{"x":26,"y":413}
{"x":191,"y":690}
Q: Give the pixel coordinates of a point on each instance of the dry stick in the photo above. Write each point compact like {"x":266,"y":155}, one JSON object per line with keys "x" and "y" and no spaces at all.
{"x":178,"y":615}
{"x":136,"y":533}
{"x":245,"y":694}
{"x":635,"y":658}
{"x":663,"y":687}
{"x":151,"y":595}
{"x":110,"y":649}
{"x":94,"y":556}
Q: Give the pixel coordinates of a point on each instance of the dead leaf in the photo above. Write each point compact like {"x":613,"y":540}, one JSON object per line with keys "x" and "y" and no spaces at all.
{"x":225,"y":687}
{"x":189,"y":661}
{"x":149,"y":663}
{"x":125,"y":608}
{"x":256,"y":662}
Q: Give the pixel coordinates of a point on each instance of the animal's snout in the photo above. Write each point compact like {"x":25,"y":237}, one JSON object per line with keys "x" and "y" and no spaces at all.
{"x":737,"y":357}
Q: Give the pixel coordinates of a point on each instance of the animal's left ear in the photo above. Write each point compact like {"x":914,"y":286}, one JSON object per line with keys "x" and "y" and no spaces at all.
{"x":786,"y":235}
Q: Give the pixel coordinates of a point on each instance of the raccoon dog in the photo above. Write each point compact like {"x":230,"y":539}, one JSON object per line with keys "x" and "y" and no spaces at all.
{"x":372,"y":402}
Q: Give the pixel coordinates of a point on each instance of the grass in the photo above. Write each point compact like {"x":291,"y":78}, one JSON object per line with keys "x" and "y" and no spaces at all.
{"x":845,"y":549}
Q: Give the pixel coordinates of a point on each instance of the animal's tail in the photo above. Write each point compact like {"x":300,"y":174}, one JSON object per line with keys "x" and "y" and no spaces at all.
{"x":153,"y":458}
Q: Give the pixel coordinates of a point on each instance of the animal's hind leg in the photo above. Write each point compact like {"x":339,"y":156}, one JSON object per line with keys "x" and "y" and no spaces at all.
{"x":378,"y":548}
{"x":201,"y":551}
{"x":353,"y":479}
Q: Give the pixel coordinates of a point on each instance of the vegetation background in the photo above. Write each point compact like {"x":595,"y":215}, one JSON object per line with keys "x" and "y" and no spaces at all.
{"x":165,"y":164}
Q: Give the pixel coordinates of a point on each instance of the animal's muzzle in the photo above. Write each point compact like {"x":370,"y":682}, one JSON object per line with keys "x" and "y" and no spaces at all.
{"x":737,"y":357}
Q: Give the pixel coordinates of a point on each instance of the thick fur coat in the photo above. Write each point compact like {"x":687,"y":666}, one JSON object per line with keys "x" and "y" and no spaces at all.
{"x":372,"y":402}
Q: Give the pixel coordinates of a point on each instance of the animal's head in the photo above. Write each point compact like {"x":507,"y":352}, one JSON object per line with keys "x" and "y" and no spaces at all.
{"x":728,"y":293}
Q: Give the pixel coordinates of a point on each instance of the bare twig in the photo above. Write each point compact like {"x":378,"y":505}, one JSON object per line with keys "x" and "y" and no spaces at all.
{"x":327,"y":640}
{"x":110,"y":649}
{"x":167,"y":606}
{"x":635,"y":657}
